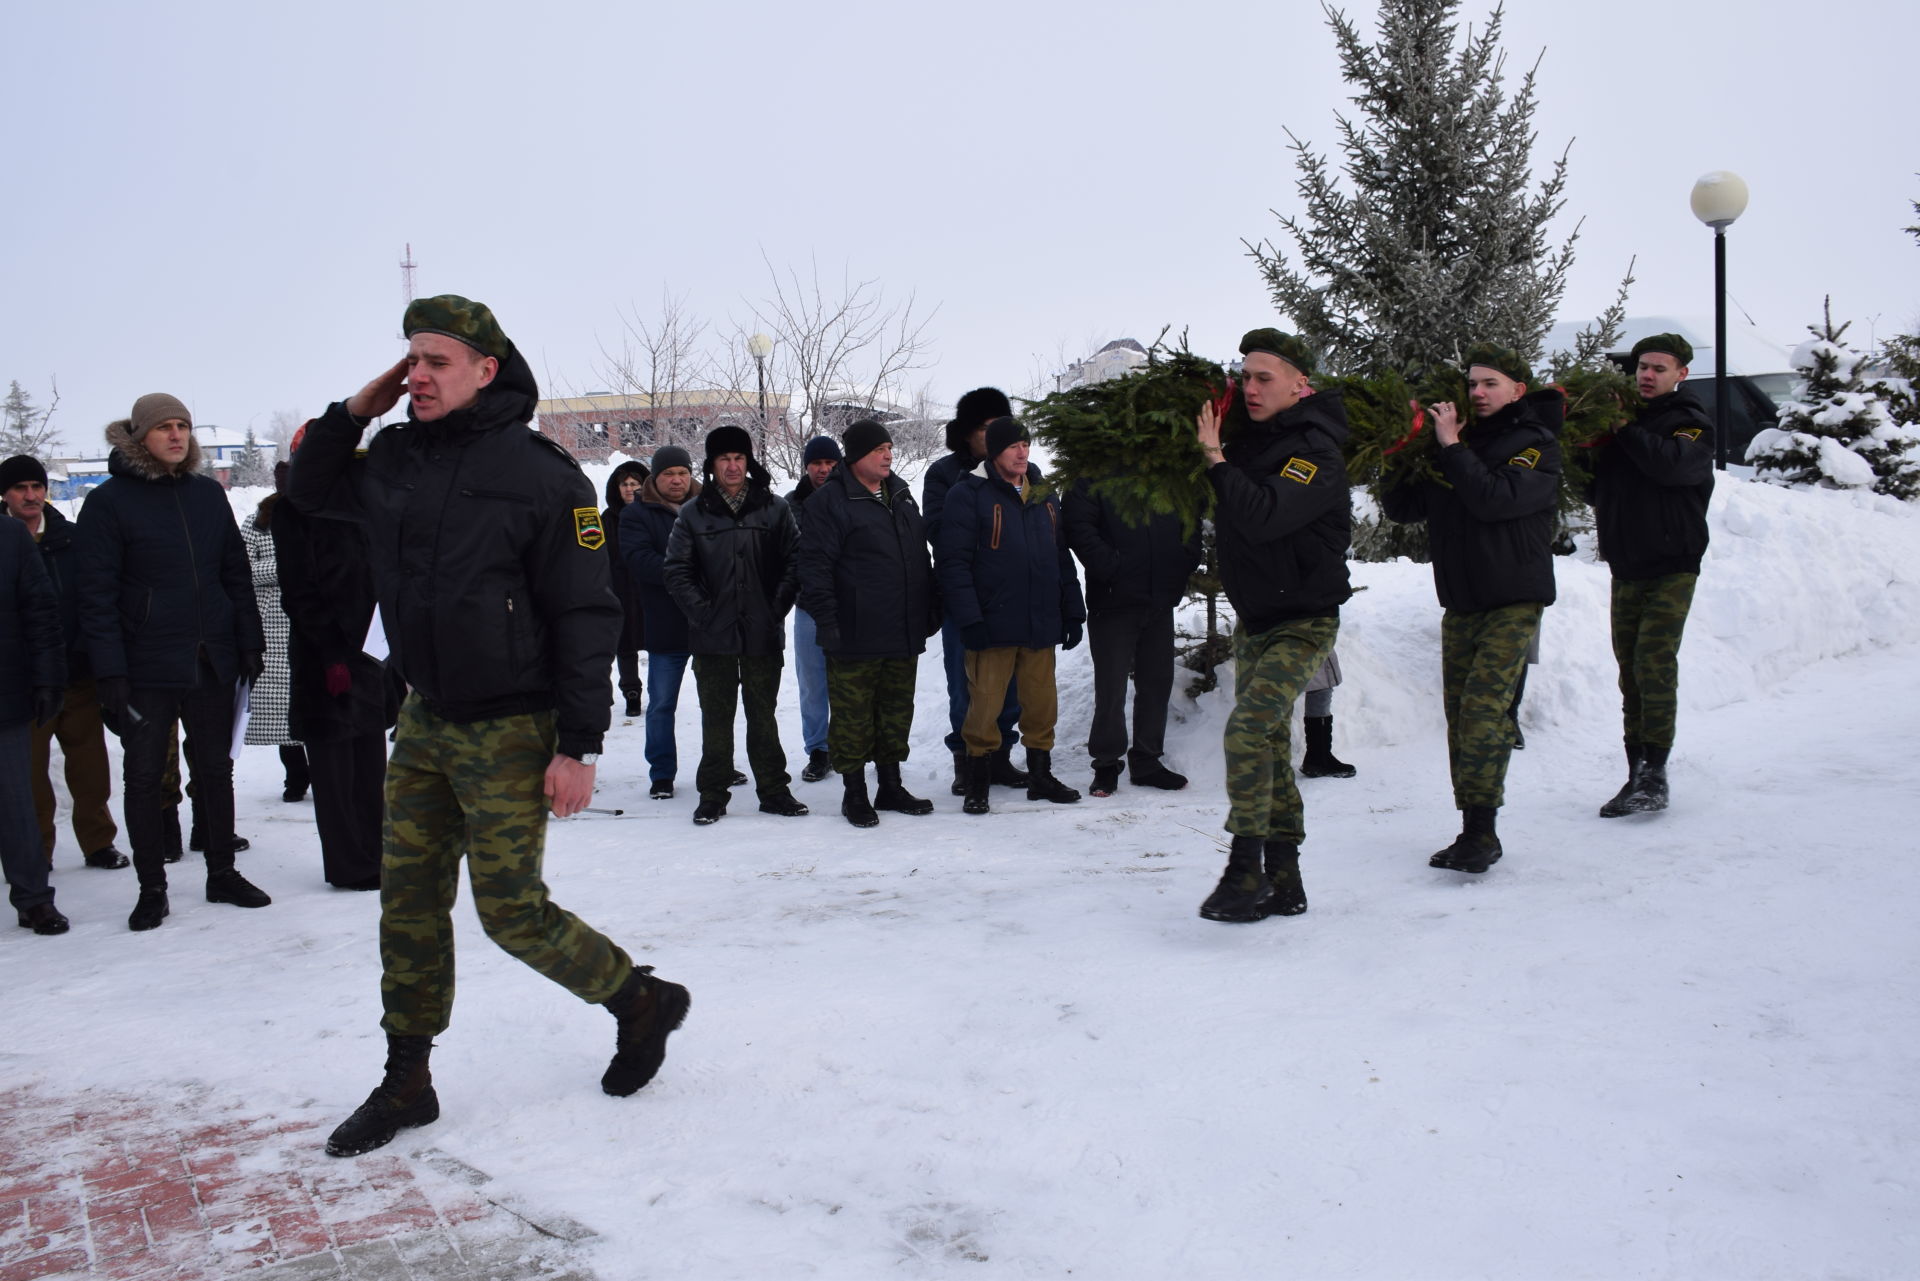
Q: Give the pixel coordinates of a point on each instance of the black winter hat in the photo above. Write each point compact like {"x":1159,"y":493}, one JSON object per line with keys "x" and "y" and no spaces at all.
{"x":863,"y":438}
{"x":1002,"y":432}
{"x":821,"y":449}
{"x":671,"y":456}
{"x":728,"y":439}
{"x":982,"y":404}
{"x":21,"y":467}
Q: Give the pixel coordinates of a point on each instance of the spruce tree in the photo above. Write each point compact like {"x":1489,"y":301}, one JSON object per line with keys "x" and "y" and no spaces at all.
{"x":251,"y":470}
{"x":1439,"y":239}
{"x":1836,"y":433}
{"x":25,"y":428}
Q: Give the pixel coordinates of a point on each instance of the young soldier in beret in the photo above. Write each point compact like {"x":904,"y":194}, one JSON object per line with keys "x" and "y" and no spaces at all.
{"x":1651,"y":484}
{"x":1491,"y":527}
{"x":1282,"y":524}
{"x":493,"y":586}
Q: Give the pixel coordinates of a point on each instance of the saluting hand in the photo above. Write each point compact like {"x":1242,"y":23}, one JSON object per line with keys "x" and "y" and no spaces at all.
{"x":1446,"y":423}
{"x":380,"y":395}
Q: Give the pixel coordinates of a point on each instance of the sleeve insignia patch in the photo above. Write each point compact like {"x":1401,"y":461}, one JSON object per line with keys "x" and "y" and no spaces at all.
{"x":1528,"y":458}
{"x":586,"y":529}
{"x":1688,"y":433}
{"x":1301,"y":470}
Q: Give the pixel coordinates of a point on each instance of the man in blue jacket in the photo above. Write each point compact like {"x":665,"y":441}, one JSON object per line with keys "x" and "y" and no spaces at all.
{"x":1008,"y":584}
{"x":646,"y":523}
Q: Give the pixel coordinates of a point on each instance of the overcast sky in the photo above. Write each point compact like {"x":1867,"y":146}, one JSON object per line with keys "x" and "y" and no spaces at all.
{"x":211,"y":199}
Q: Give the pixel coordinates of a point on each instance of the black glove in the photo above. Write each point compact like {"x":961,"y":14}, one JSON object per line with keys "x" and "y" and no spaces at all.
{"x":1074,"y":633}
{"x":252,"y":663}
{"x":828,"y":639}
{"x":976,"y":636}
{"x":113,"y":693}
{"x":47,"y":702}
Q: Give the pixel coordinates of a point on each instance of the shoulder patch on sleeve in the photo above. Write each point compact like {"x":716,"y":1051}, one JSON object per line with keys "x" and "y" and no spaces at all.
{"x":586,"y":529}
{"x":1299,"y":469}
{"x":1687,"y":433}
{"x":1528,"y":458}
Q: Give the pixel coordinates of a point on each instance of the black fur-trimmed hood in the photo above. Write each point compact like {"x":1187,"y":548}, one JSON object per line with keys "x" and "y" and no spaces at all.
{"x":131,"y":459}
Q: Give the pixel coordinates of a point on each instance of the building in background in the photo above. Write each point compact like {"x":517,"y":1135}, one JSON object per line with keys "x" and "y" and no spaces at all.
{"x":634,"y":423}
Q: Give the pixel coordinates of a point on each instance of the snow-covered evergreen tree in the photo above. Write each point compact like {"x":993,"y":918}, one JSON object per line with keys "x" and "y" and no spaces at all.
{"x":1837,"y":432}
{"x":1440,"y":237}
{"x":252,"y":468}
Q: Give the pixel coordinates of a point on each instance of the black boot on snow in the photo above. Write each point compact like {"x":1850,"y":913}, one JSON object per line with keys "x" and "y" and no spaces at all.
{"x":960,"y":773}
{"x":228,"y":886}
{"x":1282,"y":860}
{"x":648,"y":1009}
{"x":1042,"y":785}
{"x":854,"y":806}
{"x":1650,"y":789}
{"x":893,"y":795}
{"x":1244,"y":893}
{"x":1320,"y":762}
{"x":1106,"y":778}
{"x":149,"y":909}
{"x":403,"y":1098}
{"x":979,"y":782}
{"x":1005,"y":772}
{"x":1476,"y":849}
{"x":1622,"y":802}
{"x":819,"y":765}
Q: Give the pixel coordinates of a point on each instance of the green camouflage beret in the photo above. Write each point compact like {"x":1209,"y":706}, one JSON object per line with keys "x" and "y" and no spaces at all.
{"x":460,"y":318}
{"x":1275,"y":343}
{"x":1671,"y":344}
{"x":1504,"y":359}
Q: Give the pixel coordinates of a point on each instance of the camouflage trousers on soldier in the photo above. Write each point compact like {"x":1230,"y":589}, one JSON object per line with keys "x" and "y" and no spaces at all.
{"x":724,"y":682}
{"x":872,"y":710}
{"x":476,"y":790}
{"x":1270,"y":669}
{"x":1648,"y":619}
{"x":1481,"y":657}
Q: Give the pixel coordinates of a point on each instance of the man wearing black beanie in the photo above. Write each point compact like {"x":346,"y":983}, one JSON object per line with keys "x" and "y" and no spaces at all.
{"x":966,"y":446}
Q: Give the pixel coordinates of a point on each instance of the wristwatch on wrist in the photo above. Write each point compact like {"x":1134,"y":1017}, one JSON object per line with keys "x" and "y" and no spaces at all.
{"x":588,"y":758}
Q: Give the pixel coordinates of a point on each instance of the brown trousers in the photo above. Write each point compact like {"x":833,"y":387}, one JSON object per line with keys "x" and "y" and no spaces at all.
{"x":90,"y":782}
{"x":988,"y":673}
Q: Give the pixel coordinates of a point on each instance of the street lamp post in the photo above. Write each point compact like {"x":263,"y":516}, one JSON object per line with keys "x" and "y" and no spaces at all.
{"x":761,"y":346}
{"x":1719,"y":198}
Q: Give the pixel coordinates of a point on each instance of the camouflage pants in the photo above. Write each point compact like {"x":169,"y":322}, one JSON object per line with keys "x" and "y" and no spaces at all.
{"x":1270,"y":669}
{"x":872,"y":710}
{"x":1648,"y":618}
{"x":1481,"y":657}
{"x":473,"y":789}
{"x":724,"y":682}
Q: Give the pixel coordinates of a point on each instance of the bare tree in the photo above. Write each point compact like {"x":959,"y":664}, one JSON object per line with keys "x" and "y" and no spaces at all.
{"x":281,"y":426}
{"x":922,"y":434}
{"x":25,"y":428}
{"x":662,"y":360}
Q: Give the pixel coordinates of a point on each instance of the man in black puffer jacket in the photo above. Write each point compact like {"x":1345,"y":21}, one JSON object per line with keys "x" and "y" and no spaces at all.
{"x":730,"y":566}
{"x":1652,"y":481}
{"x":487,"y":556}
{"x":1282,"y":522}
{"x":867,"y":581}
{"x":1491,"y":526}
{"x":167,"y":609}
{"x":33,"y":678}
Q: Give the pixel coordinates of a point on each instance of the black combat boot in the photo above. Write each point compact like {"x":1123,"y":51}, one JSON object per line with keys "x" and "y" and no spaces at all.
{"x":648,"y":1009}
{"x":1283,"y":870}
{"x":1622,"y":802}
{"x":226,"y":885}
{"x":785,"y":804}
{"x":819,"y":765}
{"x":170,"y":834}
{"x":1244,"y":893}
{"x":1005,"y":772}
{"x":893,"y":795}
{"x":1106,"y":778}
{"x":960,"y":773}
{"x":634,"y":707}
{"x":1154,"y":773}
{"x":149,"y":909}
{"x":1042,"y":785}
{"x":1477,"y":848}
{"x":979,"y":782}
{"x":1320,"y":762}
{"x":1650,"y":789}
{"x":854,"y":806}
{"x":109,"y":858}
{"x":403,"y":1098}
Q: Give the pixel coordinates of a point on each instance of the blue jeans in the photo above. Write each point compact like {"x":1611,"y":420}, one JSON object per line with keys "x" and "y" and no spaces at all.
{"x":810,"y":664}
{"x":954,"y":652}
{"x":664,"y":672}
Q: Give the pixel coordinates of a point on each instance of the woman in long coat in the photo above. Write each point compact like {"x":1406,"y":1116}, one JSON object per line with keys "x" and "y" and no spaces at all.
{"x":622,"y":488}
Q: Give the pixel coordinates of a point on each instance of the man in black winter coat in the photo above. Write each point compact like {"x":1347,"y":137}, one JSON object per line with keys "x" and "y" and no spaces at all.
{"x":966,"y":446}
{"x":1137,"y":574}
{"x":646,"y":526}
{"x":730,"y":565}
{"x":821,"y":456}
{"x":1652,"y":481}
{"x":867,"y":582}
{"x":1281,"y":529}
{"x":487,"y":557}
{"x":167,"y":609}
{"x":1491,"y":529}
{"x":33,"y":678}
{"x":623,"y":489}
{"x":78,"y":728}
{"x":1007,"y":582}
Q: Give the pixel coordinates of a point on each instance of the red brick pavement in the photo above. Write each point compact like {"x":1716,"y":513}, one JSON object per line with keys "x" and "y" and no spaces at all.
{"x":134,"y":1188}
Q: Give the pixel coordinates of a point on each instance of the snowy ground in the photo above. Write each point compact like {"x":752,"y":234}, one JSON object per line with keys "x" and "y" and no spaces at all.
{"x":1677,"y":1046}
